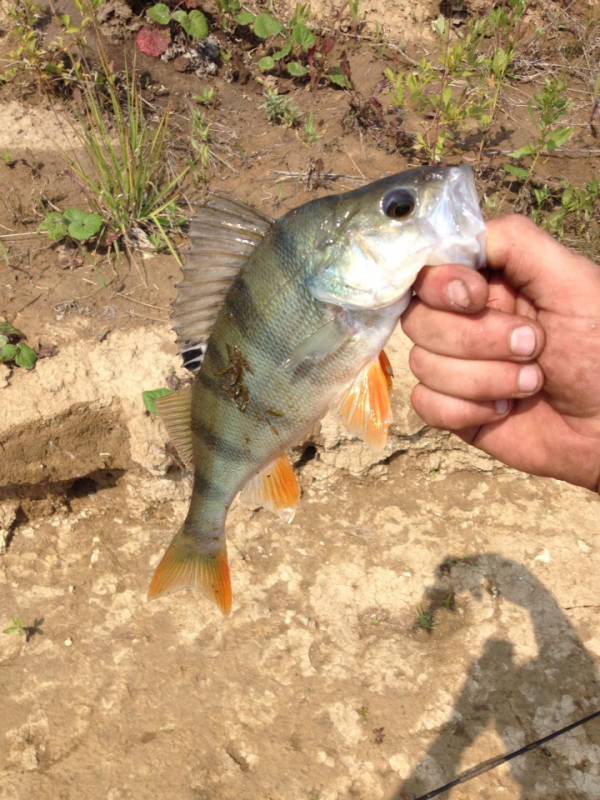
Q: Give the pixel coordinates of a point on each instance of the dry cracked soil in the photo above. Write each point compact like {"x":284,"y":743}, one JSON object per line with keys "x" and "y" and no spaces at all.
{"x":427,"y":609}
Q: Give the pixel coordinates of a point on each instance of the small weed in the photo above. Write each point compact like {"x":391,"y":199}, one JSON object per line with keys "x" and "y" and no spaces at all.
{"x":549,"y":108}
{"x":193,"y":23}
{"x":200,"y":141}
{"x":425,"y":619}
{"x":462,"y":94}
{"x":208,"y":97}
{"x":18,"y":628}
{"x":80,"y":226}
{"x":311,"y":133}
{"x":571,"y":209}
{"x":280,"y":110}
{"x":13,"y":349}
{"x":54,"y":65}
{"x":295,"y":49}
{"x":126,"y":174}
{"x":8,"y":159}
{"x":363,"y":712}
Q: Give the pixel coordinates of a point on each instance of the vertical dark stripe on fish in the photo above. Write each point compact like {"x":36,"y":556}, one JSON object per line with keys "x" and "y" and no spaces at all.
{"x":223,"y":448}
{"x":207,"y":488}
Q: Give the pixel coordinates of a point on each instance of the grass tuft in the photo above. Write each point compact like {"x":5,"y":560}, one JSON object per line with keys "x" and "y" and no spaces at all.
{"x":126,"y":173}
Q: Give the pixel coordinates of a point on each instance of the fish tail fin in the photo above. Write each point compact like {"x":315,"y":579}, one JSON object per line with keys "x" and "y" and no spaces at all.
{"x":185,"y":563}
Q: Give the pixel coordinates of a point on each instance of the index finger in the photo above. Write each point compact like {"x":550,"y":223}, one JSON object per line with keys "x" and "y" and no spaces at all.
{"x":536,"y":264}
{"x":452,"y":287}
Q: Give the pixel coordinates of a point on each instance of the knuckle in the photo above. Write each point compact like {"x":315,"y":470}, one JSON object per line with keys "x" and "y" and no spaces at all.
{"x":414,"y":360}
{"x":521,"y":224}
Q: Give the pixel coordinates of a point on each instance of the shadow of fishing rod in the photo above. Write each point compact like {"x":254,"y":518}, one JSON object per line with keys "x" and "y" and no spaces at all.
{"x":528,"y":704}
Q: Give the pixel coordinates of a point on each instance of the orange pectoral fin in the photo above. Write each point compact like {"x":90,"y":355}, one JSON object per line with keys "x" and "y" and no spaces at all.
{"x":275,"y":488}
{"x":184,"y":565}
{"x":366,"y":409}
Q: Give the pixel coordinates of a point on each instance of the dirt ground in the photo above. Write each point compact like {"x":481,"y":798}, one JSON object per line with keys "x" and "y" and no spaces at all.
{"x":322,"y":685}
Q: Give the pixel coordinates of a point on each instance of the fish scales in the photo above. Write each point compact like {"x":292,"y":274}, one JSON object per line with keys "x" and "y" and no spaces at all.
{"x":314,"y":301}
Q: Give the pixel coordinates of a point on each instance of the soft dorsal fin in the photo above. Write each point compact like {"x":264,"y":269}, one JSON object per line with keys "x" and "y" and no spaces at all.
{"x":223,"y":234}
{"x":175,"y":410}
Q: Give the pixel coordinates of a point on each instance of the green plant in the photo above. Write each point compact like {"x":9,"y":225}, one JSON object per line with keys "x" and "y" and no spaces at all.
{"x":151,"y":396}
{"x":208,"y":97}
{"x":311,"y":132}
{"x":18,"y":628}
{"x":573,"y":208}
{"x":75,"y":224}
{"x":425,"y":619}
{"x":8,"y":159}
{"x":54,"y":64}
{"x":462,"y":94}
{"x":200,"y":141}
{"x":549,"y":108}
{"x":295,"y":49}
{"x":193,"y":23}
{"x":280,"y":110}
{"x":13,"y":349}
{"x":126,"y":172}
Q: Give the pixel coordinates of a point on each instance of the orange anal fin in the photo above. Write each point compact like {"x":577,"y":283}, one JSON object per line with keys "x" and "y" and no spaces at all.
{"x":275,"y":488}
{"x":366,"y":409}
{"x":184,"y":565}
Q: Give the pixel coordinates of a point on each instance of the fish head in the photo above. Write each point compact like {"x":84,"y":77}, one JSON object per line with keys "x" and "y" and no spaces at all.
{"x":377,"y":238}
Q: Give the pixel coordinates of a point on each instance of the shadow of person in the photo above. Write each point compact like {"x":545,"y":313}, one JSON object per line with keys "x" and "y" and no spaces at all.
{"x":521,"y":701}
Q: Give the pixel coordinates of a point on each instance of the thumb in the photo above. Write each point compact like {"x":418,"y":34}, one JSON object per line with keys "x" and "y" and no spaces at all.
{"x":534,"y":263}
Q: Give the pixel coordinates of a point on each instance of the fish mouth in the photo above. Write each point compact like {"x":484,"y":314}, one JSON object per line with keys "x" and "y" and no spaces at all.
{"x":457,"y":224}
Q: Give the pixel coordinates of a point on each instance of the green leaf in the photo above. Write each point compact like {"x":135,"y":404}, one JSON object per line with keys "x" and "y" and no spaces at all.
{"x":284,"y":52}
{"x":9,"y":331}
{"x":440,"y":25}
{"x":266,"y":64}
{"x":303,"y":36}
{"x":500,"y":62}
{"x":25,"y":357}
{"x":16,"y":626}
{"x":516,"y":172}
{"x":8,"y":352}
{"x":296,"y":69}
{"x":53,"y":224}
{"x":160,"y":13}
{"x":557,"y":138}
{"x":151,"y":396}
{"x":81,"y":225}
{"x":245,"y":18}
{"x":339,"y":78}
{"x":198,"y":25}
{"x":265,"y":26}
{"x":528,"y":150}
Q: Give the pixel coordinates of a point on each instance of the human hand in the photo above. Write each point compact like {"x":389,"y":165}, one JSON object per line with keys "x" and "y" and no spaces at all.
{"x":513,"y":365}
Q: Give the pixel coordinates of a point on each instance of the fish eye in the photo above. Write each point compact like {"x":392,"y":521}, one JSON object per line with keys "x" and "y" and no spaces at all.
{"x":398,"y":204}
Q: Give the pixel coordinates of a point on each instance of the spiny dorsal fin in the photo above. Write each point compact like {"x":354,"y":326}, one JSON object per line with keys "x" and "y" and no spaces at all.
{"x":275,"y":488}
{"x":366,"y":409}
{"x":223,"y":234}
{"x":175,"y":410}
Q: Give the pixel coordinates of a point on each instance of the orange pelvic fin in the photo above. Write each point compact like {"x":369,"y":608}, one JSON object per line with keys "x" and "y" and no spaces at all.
{"x":366,"y":409}
{"x":275,"y":488}
{"x":183,"y":565}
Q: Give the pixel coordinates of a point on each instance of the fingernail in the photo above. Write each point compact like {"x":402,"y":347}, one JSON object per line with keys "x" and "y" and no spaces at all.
{"x":501,"y":407}
{"x":458,"y":294}
{"x":529,"y":377}
{"x":523,"y":341}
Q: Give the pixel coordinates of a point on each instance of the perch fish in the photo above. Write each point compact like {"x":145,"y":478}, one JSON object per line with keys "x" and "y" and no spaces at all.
{"x":285,"y":319}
